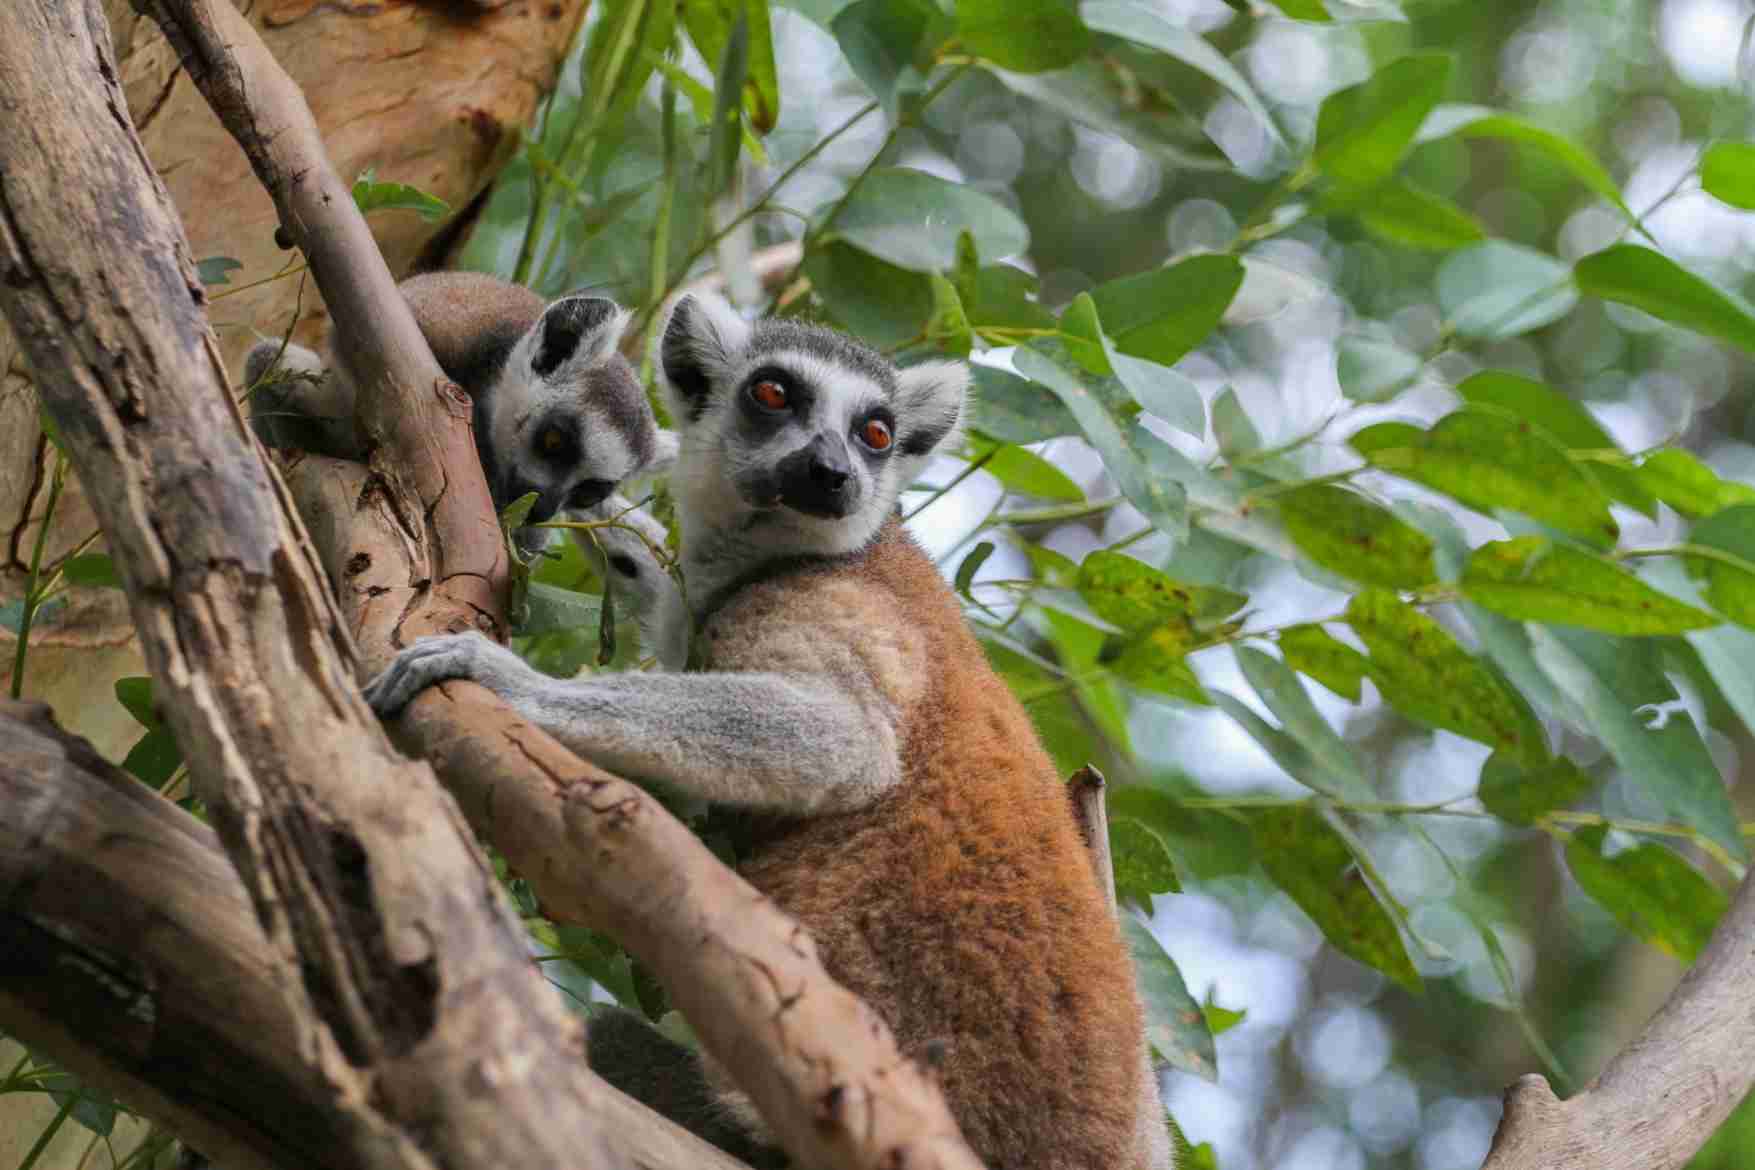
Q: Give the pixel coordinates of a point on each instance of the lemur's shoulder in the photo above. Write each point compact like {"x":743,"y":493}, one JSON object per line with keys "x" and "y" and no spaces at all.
{"x":471,"y":320}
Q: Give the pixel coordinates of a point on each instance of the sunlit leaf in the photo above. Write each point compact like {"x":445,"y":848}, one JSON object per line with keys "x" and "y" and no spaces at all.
{"x":1024,"y":471}
{"x":1278,"y":686}
{"x":1488,"y":461}
{"x":1162,"y":314}
{"x":1026,"y":36}
{"x":1401,"y":213}
{"x":1619,"y":690}
{"x":1134,"y":596}
{"x":1362,"y":131}
{"x":1648,"y":280}
{"x":1686,"y":484}
{"x":1729,"y":579}
{"x":948,"y":328}
{"x":912,"y":219}
{"x":1314,"y":651}
{"x":1727,"y":173}
{"x":1221,"y":1020}
{"x":1145,"y":26}
{"x":369,"y":195}
{"x":1303,"y":9}
{"x":1650,"y":891}
{"x":1520,"y":793}
{"x":1426,"y":675}
{"x":1498,"y":289}
{"x":1313,"y":864}
{"x":1157,"y":661}
{"x":1141,"y":861}
{"x":1204,"y":843}
{"x":1533,"y":579}
{"x":1346,"y":533}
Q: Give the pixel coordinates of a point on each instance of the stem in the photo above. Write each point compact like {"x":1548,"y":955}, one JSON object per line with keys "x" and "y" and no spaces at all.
{"x":288,"y":269}
{"x":1059,"y":512}
{"x":32,"y":597}
{"x":1704,"y":551}
{"x":971,"y":469}
{"x":49,"y":1132}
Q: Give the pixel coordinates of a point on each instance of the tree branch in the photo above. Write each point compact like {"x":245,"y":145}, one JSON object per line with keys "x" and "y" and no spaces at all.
{"x":424,"y":553}
{"x":1663,"y":1095}
{"x":128,"y":948}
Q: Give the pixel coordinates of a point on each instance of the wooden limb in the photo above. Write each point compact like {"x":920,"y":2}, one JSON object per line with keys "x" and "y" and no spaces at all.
{"x":399,"y":963}
{"x":1663,"y":1095}
{"x":424,"y":553}
{"x":128,"y":947}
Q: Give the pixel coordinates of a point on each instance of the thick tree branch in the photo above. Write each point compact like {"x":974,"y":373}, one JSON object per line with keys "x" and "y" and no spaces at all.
{"x":131,"y":951}
{"x":424,"y":554}
{"x":400,"y":966}
{"x":1663,"y":1095}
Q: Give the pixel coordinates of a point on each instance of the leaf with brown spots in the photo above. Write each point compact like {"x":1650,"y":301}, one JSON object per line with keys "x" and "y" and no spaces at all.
{"x":1175,"y":1024}
{"x":1345,"y":533}
{"x":1133,"y":595}
{"x":1533,"y":579}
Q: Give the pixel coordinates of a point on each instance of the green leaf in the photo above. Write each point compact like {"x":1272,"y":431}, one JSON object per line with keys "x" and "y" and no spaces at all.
{"x":912,"y":220}
{"x":154,"y":758}
{"x":1204,"y":843}
{"x":1727,"y":172}
{"x":948,"y":328}
{"x":1566,"y":422}
{"x":1304,"y":10}
{"x":627,"y":42}
{"x":1401,"y":213}
{"x":726,"y":136}
{"x":884,"y":305}
{"x":1157,"y":661}
{"x":1730,"y":583}
{"x":1648,"y":280}
{"x":1689,"y":486}
{"x":1082,"y":334}
{"x":369,"y":195}
{"x":1292,"y":757}
{"x":1171,"y":396}
{"x":1221,"y":1020}
{"x":92,"y":570}
{"x":1423,"y":673}
{"x":1374,"y":371}
{"x":1093,"y":95}
{"x":214,"y":269}
{"x":1024,"y":471}
{"x":1175,"y":1024}
{"x":1650,"y":891}
{"x":1123,"y":447}
{"x":551,"y":608}
{"x":1532,"y":579}
{"x":135,"y":695}
{"x":1132,"y":595}
{"x":972,"y":565}
{"x":1488,"y":461}
{"x":1144,"y":26}
{"x":1342,"y":773}
{"x":1618,"y":689}
{"x":1161,"y":315}
{"x":1496,"y":289}
{"x":1313,"y":864}
{"x":710,"y":22}
{"x":1142,"y":863}
{"x":1482,"y":122}
{"x":1231,"y":426}
{"x":1346,"y":533}
{"x":1522,"y":794}
{"x":1314,"y":651}
{"x":1027,"y":36}
{"x":1016,"y":409}
{"x":1363,"y":131}
{"x":514,"y":514}
{"x":889,"y":44}
{"x":91,"y":1106}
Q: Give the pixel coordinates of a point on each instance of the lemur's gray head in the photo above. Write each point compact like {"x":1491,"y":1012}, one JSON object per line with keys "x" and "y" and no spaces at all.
{"x":560,"y":413}
{"x":814,"y":434}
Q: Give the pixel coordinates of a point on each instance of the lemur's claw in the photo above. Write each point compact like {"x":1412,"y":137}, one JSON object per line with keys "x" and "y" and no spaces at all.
{"x":428,"y":661}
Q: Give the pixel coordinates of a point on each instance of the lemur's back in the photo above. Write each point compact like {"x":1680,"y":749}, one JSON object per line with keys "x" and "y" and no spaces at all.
{"x":962,"y":904}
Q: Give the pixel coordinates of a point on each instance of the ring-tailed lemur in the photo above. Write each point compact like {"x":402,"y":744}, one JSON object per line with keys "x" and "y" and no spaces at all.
{"x":901,"y":805}
{"x":557,"y":409}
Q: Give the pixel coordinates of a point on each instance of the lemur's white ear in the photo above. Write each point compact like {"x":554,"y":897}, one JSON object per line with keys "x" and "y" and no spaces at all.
{"x":929,"y":405}
{"x":701,"y":341}
{"x":665,"y":447}
{"x":574,"y":330}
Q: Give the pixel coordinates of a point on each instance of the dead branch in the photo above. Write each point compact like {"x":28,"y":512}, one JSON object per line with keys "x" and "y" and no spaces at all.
{"x":424,"y":554}
{"x":397,"y":960}
{"x":1664,"y":1094}
{"x":128,"y":948}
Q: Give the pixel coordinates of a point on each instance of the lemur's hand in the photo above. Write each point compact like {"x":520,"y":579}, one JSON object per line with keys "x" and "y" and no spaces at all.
{"x":446,"y":656}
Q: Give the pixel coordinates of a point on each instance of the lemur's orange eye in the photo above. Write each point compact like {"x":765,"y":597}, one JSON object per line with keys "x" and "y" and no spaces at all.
{"x":876,"y":433}
{"x":551,"y":441}
{"x":769,"y":394}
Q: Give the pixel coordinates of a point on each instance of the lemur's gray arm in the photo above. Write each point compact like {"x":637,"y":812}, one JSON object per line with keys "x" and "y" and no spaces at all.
{"x":309,"y":409}
{"x":644,"y":588}
{"x":792,"y":743}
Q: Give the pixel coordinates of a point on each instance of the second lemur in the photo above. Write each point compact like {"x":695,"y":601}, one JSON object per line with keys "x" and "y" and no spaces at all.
{"x":904,"y":810}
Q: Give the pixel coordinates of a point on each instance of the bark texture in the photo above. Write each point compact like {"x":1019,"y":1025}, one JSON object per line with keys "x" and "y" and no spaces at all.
{"x":121,"y":913}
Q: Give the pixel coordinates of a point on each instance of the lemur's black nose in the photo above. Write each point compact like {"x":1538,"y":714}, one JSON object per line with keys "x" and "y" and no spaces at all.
{"x":818,"y":479}
{"x":826,"y":475}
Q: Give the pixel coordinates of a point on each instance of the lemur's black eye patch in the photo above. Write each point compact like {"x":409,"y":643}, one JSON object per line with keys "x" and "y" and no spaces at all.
{"x":564,"y":325}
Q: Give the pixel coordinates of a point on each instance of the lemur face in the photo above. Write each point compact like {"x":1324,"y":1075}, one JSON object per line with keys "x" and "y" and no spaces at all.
{"x":565,"y":416}
{"x":798,"y":429}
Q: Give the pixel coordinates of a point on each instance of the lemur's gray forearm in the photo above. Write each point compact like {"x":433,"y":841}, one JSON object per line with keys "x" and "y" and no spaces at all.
{"x":756,"y":740}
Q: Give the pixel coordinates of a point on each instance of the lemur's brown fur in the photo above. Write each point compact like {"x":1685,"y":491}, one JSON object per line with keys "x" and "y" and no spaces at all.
{"x":962,"y":905}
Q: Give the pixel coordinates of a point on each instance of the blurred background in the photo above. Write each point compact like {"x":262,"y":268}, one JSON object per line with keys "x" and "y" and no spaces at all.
{"x":1332,"y":1067}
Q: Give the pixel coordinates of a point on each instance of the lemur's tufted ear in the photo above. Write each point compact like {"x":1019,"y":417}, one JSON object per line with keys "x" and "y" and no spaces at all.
{"x":701,"y":342}
{"x":929,"y":405}
{"x":575,"y":329}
